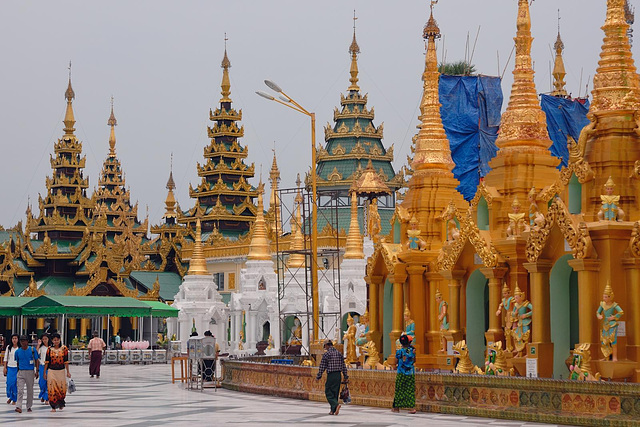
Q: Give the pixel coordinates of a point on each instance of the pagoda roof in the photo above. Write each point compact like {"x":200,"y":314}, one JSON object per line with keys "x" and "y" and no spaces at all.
{"x":169,"y":282}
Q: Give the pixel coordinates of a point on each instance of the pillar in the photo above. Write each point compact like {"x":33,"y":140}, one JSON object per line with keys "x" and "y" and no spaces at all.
{"x":433,"y":334}
{"x":84,"y":325}
{"x":455,"y":284}
{"x":134,"y":328}
{"x":588,"y":289}
{"x":115,"y":325}
{"x":397,"y":325}
{"x":417,"y":306}
{"x":251,"y":339}
{"x":632,"y":313}
{"x":495,"y":277}
{"x":39,"y":326}
{"x":541,"y":347}
{"x":375,"y":285}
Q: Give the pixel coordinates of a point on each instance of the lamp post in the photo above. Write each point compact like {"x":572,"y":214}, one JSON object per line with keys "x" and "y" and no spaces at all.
{"x":287,"y":101}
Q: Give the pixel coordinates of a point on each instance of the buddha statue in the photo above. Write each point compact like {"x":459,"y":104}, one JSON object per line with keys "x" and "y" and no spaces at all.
{"x":504,"y":310}
{"x":517,"y":223}
{"x":443,"y":320}
{"x":374,"y":227}
{"x":296,"y":333}
{"x":610,"y":313}
{"x":414,"y":241}
{"x":610,"y":210}
{"x":536,"y":219}
{"x":270,"y":343}
{"x":349,"y":339}
{"x":521,"y":317}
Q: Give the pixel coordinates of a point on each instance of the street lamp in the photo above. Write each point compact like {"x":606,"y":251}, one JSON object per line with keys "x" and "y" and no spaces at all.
{"x":287,"y":101}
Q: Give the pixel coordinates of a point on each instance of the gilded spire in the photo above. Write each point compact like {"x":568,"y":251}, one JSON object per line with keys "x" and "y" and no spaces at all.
{"x":259,"y":248}
{"x":198,"y":264}
{"x":170,"y":202}
{"x":558,"y":68}
{"x":226,"y":84}
{"x":297,"y":260}
{"x":354,"y":50}
{"x":69,"y":120}
{"x":274,"y":201}
{"x":353,"y":247}
{"x":112,"y":137}
{"x":524,"y":124}
{"x":431,"y":144}
{"x":616,"y":85}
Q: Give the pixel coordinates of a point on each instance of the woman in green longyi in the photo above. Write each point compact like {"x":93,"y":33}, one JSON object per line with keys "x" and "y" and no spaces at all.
{"x":405,"y":394}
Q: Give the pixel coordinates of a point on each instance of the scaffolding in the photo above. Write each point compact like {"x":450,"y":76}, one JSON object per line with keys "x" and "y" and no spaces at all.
{"x":295,"y":296}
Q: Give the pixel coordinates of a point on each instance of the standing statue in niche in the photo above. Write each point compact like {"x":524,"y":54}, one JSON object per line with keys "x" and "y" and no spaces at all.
{"x":296,"y":333}
{"x":414,"y":241}
{"x":517,"y":223}
{"x":610,"y":313}
{"x":443,"y":320}
{"x":536,"y":219}
{"x":610,"y":210}
{"x":506,"y":306}
{"x":363,"y":330}
{"x":521,"y":316}
{"x":349,"y":339}
{"x":409,"y":327}
{"x":374,"y":227}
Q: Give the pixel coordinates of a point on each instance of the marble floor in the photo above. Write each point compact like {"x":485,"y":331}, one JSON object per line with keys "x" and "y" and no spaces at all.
{"x":142,"y":395}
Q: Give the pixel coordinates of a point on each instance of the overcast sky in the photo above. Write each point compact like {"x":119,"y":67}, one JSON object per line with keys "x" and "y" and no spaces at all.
{"x":161,"y":61}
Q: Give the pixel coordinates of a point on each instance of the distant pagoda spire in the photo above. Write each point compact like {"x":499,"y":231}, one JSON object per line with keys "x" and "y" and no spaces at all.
{"x":354,"y":244}
{"x":170,"y":202}
{"x":432,"y":150}
{"x":616,"y":84}
{"x":112,"y":137}
{"x":297,"y":260}
{"x":558,"y":69}
{"x":354,"y":50}
{"x":524,"y":125}
{"x":198,"y":264}
{"x":259,"y":248}
{"x":226,"y":83}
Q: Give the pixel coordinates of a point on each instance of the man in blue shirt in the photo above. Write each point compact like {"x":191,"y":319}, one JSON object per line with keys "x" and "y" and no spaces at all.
{"x":27,"y":360}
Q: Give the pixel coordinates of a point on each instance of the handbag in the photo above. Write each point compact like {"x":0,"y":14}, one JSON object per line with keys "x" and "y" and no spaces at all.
{"x":345,"y":395}
{"x":71,"y":386}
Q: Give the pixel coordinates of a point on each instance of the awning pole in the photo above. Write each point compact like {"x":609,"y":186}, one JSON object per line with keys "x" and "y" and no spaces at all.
{"x":151,"y":338}
{"x":108,"y":324}
{"x":62,"y":333}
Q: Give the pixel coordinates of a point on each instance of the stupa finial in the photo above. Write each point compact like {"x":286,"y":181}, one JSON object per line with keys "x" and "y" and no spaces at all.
{"x":69,"y":119}
{"x":260,"y":248}
{"x":226,"y":83}
{"x":112,"y":137}
{"x":198,"y":264}
{"x":354,"y":50}
{"x":558,"y":69}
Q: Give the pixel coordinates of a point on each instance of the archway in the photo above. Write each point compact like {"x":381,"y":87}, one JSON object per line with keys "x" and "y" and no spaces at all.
{"x":477,"y":316}
{"x":563,"y":290}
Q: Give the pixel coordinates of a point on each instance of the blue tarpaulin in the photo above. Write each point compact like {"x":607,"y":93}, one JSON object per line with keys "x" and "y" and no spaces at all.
{"x":471,"y":110}
{"x":565,"y":117}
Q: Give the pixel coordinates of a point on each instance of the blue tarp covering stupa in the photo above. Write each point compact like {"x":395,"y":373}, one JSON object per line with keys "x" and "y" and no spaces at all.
{"x":565,"y":117}
{"x":471,"y":110}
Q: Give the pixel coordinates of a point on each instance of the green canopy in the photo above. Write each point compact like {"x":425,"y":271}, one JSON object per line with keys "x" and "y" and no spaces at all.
{"x":86,"y":306}
{"x":12,"y":306}
{"x":160,"y":309}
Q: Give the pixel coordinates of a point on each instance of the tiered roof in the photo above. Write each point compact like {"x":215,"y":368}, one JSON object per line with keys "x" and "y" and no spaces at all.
{"x":224,"y":198}
{"x":65,"y":211}
{"x":113,"y":210}
{"x":353,"y":140}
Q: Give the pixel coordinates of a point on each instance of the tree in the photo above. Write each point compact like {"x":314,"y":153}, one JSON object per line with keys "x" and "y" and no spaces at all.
{"x":458,"y":68}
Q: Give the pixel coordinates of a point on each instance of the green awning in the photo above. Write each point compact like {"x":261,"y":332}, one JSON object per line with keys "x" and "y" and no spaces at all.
{"x":160,"y":309}
{"x":12,"y":306}
{"x":86,"y":306}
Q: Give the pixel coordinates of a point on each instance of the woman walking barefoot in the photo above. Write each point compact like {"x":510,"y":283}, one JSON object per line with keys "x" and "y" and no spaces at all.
{"x":42,"y":382}
{"x":11,"y":369}
{"x":56,"y":363}
{"x":405,"y":396}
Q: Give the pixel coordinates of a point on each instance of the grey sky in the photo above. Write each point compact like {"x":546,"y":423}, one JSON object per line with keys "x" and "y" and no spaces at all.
{"x":161,"y":62}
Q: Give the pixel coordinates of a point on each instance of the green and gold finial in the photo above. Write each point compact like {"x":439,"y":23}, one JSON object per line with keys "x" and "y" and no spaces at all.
{"x":354,"y":50}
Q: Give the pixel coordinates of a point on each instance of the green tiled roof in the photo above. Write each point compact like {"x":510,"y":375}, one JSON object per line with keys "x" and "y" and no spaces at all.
{"x":59,"y":285}
{"x":20,"y":284}
{"x":169,"y":282}
{"x":344,"y":219}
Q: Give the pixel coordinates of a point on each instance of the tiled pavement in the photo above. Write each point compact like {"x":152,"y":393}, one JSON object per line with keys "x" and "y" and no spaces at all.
{"x":134,"y":395}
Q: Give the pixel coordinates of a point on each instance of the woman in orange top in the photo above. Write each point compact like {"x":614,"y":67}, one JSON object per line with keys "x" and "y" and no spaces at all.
{"x":56,"y":363}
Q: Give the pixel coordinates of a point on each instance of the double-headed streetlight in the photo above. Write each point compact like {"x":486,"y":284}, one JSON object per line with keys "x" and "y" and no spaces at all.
{"x":287,"y":101}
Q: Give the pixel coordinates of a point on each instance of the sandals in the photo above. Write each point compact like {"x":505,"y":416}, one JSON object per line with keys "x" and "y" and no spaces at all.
{"x":413,"y":411}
